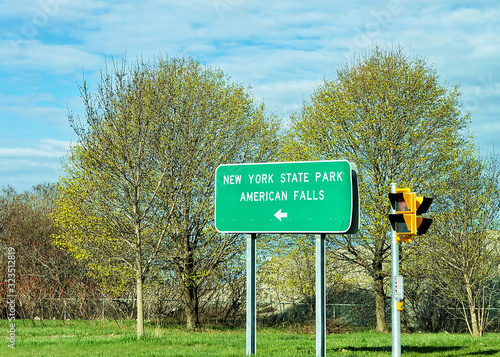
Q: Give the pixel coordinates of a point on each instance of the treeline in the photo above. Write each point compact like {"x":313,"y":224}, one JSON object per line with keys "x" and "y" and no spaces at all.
{"x":52,"y":284}
{"x":44,"y":275}
{"x":132,"y":215}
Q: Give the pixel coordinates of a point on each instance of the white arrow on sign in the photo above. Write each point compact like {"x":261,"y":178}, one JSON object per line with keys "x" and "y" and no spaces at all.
{"x":280,"y":215}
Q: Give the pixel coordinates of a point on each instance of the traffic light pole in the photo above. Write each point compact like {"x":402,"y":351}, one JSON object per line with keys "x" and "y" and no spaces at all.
{"x":396,"y":320}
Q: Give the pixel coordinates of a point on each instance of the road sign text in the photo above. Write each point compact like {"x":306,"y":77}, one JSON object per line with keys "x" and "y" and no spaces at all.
{"x":284,"y":197}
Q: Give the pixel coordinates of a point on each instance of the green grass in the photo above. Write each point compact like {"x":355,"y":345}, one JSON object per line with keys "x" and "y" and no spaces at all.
{"x":107,"y":338}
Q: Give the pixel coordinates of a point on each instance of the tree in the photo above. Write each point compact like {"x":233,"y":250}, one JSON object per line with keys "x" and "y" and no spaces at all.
{"x":290,"y":273}
{"x":217,"y":122}
{"x":465,"y":244}
{"x":44,"y":275}
{"x":139,"y":183}
{"x":389,"y":115}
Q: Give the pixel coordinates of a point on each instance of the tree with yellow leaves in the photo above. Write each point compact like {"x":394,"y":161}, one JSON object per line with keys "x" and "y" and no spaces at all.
{"x":137,"y":193}
{"x":462,"y":252}
{"x":390,"y":115}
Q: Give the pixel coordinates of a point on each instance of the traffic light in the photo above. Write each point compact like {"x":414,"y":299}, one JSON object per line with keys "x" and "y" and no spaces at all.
{"x":423,"y":224}
{"x":406,"y":220}
{"x":403,"y":221}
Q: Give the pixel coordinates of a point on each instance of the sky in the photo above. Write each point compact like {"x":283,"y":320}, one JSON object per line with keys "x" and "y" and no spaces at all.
{"x":281,"y":49}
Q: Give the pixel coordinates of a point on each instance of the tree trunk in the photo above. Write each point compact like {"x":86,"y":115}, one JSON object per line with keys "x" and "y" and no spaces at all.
{"x":404,"y":324}
{"x":380,"y":305}
{"x":140,"y":310}
{"x":191,"y":304}
{"x":472,"y":310}
{"x":475,"y":326}
{"x":190,"y":289}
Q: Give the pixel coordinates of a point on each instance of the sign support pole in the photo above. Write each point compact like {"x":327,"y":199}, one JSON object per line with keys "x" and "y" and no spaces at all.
{"x":251,"y":297}
{"x":320,"y":296}
{"x":396,"y":319}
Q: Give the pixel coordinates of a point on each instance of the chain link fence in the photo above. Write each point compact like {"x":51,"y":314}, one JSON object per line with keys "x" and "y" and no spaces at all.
{"x":230,"y":313}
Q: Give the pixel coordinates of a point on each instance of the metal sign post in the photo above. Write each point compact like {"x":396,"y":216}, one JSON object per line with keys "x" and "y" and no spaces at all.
{"x":320,"y":296}
{"x":251,"y":297}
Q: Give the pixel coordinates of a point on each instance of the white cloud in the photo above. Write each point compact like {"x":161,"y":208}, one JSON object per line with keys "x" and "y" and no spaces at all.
{"x":26,"y":166}
{"x":13,"y":99}
{"x":46,"y":148}
{"x":25,"y":113}
{"x":21,"y":54}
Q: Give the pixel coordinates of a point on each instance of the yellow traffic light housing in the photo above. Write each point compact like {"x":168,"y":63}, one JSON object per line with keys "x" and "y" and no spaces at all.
{"x":423,"y":224}
{"x":406,"y":220}
{"x":404,"y":202}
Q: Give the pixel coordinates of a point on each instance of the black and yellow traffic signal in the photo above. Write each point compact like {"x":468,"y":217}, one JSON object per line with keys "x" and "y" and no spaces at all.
{"x":407,"y":220}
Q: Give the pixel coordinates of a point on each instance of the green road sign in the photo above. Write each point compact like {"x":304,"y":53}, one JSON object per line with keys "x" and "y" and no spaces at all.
{"x":288,"y":197}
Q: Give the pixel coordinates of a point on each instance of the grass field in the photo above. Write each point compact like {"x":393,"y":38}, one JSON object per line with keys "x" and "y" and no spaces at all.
{"x":107,"y":338}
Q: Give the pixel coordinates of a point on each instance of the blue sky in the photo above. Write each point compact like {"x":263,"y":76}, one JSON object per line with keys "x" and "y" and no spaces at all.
{"x":282,"y":49}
